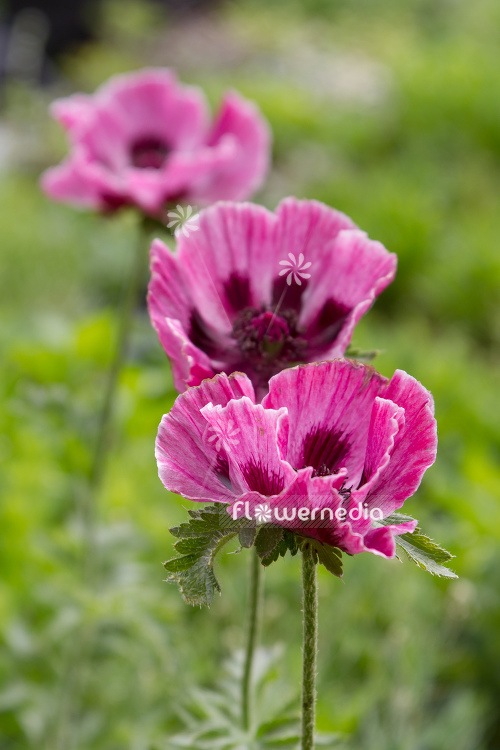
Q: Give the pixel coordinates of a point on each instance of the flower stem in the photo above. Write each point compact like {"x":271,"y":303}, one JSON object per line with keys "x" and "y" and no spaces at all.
{"x":129,"y":300}
{"x":252,"y":633}
{"x":310,"y":648}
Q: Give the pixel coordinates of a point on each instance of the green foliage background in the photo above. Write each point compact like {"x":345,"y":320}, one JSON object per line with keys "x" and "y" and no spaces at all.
{"x":410,"y":148}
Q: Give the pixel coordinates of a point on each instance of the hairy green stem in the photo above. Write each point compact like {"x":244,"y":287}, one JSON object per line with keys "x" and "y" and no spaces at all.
{"x":252,"y":634}
{"x":310,"y":648}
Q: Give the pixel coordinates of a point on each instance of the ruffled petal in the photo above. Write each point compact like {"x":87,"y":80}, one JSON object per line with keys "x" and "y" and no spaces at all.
{"x":305,"y":230}
{"x":152,"y":103}
{"x":190,"y":366}
{"x":168,"y":296}
{"x":387,"y":419}
{"x":329,"y":406}
{"x":351,"y":272}
{"x":226,"y":262}
{"x":80,"y":181}
{"x":381,"y":541}
{"x":415,"y":444}
{"x":248,"y":432}
{"x":188,"y":462}
{"x":73,"y":111}
{"x":241,"y":123}
{"x":147,"y":188}
{"x":319,"y":497}
{"x":152,"y":188}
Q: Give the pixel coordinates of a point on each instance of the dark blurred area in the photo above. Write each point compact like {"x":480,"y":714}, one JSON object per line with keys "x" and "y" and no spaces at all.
{"x":34,"y":34}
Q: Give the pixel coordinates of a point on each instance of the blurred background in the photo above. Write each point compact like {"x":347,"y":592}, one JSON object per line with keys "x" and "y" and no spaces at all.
{"x":389,"y":111}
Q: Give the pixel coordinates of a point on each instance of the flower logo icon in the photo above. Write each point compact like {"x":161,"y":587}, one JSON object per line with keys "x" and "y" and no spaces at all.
{"x":262,"y":513}
{"x":183,"y":221}
{"x":229,"y":438}
{"x":295,"y":269}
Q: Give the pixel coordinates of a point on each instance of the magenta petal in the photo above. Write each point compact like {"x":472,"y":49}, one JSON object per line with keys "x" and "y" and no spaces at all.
{"x":248,"y":432}
{"x":352,"y":271}
{"x":151,"y":102}
{"x":65,"y":183}
{"x":303,"y":492}
{"x":188,"y":463}
{"x":80,"y":182}
{"x":308,"y":227}
{"x":381,"y":541}
{"x":415,"y":445}
{"x":240,"y":121}
{"x":73,"y":111}
{"x":329,"y":406}
{"x":387,"y":419}
{"x":146,"y":188}
{"x":190,"y":366}
{"x":227,"y":263}
{"x":168,"y":296}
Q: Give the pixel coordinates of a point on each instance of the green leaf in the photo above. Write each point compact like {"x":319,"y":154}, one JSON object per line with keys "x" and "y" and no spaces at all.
{"x":330,"y":557}
{"x":421,"y":549}
{"x":199,"y":541}
{"x":247,"y":536}
{"x":288,"y":543}
{"x":267,"y":540}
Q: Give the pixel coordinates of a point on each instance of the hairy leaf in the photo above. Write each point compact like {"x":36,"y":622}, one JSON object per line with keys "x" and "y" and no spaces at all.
{"x":247,"y":536}
{"x":288,"y":543}
{"x":267,"y":540}
{"x":330,"y":557}
{"x":199,"y":540}
{"x":421,"y":549}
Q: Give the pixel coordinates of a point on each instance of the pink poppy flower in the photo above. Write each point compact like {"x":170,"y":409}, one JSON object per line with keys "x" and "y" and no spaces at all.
{"x":143,"y":139}
{"x":333,"y":449}
{"x":255,"y":291}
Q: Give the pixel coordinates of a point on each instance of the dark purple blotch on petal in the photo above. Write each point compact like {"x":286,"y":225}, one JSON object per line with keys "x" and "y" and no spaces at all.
{"x":205,"y":338}
{"x":325,"y":450}
{"x":288,"y":296}
{"x":149,"y":153}
{"x":260,"y":479}
{"x":237,"y":291}
{"x":329,"y":321}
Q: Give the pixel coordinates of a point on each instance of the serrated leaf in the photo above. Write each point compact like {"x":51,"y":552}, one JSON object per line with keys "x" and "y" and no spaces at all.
{"x":247,"y":536}
{"x":330,"y":557}
{"x":268,"y":538}
{"x":421,"y":549}
{"x":199,"y":540}
{"x":289,"y":543}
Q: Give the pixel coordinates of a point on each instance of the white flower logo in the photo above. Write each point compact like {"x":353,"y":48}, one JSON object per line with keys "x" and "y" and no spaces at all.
{"x":262,"y":513}
{"x":295,"y":269}
{"x":227,"y":439}
{"x":183,"y":220}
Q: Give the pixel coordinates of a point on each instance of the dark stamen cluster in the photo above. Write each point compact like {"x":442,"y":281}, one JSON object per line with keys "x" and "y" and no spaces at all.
{"x":269,"y":341}
{"x":324,"y":471}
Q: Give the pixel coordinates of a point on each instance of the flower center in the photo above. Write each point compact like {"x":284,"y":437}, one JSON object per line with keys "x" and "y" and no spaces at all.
{"x":268,"y":342}
{"x":149,"y":153}
{"x":324,"y":471}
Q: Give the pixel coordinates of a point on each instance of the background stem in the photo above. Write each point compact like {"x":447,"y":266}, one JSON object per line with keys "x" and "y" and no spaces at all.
{"x":310,"y":648}
{"x":252,"y":633}
{"x":132,"y":288}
